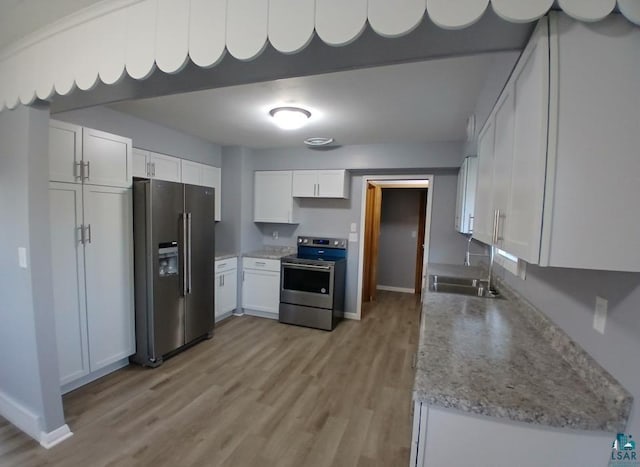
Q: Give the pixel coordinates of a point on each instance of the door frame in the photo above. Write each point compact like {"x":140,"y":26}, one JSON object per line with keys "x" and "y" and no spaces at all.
{"x":363,"y":210}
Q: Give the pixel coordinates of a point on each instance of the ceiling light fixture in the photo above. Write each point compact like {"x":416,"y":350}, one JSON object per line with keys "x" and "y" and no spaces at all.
{"x":318,"y":141}
{"x":290,"y":118}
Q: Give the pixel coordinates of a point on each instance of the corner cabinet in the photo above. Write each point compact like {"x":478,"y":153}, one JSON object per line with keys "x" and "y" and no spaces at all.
{"x":557,"y":177}
{"x":465,"y":200}
{"x":261,"y":287}
{"x":273,"y":198}
{"x":226,"y":287}
{"x":320,"y":184}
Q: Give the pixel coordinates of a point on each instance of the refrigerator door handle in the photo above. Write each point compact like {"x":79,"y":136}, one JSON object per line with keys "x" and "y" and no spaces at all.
{"x":184,"y":253}
{"x":189,"y":250}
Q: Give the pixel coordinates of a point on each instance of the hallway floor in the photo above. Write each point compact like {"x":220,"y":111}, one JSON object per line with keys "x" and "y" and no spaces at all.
{"x":259,"y":393}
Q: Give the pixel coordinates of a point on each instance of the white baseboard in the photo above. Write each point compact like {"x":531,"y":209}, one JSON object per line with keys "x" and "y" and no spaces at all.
{"x":389,"y":288}
{"x":94,"y":376}
{"x":353,"y":316}
{"x":20,"y":416}
{"x":57,"y":436}
{"x":261,"y":314}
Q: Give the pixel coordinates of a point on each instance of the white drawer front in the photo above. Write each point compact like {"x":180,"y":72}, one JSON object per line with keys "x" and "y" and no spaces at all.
{"x":260,"y":263}
{"x":226,"y":265}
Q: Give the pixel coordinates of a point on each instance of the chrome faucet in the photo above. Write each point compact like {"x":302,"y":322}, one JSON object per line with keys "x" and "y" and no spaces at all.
{"x":468,"y":255}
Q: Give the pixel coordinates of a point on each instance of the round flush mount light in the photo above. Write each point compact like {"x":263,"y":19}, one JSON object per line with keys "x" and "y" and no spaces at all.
{"x":290,"y":118}
{"x":318,"y":141}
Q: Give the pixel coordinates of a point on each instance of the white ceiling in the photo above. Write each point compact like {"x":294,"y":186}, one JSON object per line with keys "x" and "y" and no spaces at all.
{"x":19,"y":18}
{"x":422,"y":101}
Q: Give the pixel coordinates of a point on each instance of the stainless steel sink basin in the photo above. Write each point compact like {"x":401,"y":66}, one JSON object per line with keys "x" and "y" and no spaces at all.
{"x":460,"y":285}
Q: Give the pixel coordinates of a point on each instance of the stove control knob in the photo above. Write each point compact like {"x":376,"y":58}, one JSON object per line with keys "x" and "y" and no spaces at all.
{"x":299,"y":240}
{"x":306,"y":240}
{"x":335,"y":242}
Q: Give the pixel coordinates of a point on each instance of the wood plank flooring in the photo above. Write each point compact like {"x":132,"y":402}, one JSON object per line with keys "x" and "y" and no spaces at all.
{"x":260,"y":393}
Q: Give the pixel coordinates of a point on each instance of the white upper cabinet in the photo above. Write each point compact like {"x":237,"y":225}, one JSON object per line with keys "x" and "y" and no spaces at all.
{"x":320,"y":184}
{"x":191,"y":172}
{"x":107,"y":159}
{"x":273,"y":200}
{"x":558,"y":181}
{"x":465,"y":201}
{"x":483,"y":214}
{"x":148,"y":164}
{"x":85,"y":155}
{"x":195,"y":173}
{"x":65,"y":152}
{"x":141,"y":160}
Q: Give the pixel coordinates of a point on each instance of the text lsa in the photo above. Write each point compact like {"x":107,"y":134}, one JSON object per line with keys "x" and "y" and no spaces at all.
{"x":623,"y":456}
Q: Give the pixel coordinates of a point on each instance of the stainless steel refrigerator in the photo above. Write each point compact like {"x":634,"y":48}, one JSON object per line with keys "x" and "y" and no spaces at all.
{"x":174,"y":267}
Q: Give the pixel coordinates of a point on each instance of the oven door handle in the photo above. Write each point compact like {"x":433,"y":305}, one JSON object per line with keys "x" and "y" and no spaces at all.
{"x":305,"y":266}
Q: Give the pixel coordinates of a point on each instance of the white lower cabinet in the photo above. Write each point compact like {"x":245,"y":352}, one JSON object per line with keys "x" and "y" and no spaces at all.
{"x":92,"y":262}
{"x":459,"y":439}
{"x":261,"y":287}
{"x":226,"y":287}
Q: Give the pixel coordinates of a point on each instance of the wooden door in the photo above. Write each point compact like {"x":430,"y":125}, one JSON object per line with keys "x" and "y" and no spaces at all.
{"x":422,"y":218}
{"x":371,"y":242}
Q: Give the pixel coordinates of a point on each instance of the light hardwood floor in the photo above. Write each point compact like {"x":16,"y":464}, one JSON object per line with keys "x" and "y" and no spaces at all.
{"x":260,"y":393}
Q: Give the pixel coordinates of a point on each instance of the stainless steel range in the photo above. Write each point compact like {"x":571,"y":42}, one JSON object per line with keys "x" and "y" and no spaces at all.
{"x":312,"y":283}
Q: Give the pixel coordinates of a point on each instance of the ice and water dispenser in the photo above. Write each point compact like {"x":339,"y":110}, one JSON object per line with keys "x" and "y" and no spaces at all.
{"x":168,"y":259}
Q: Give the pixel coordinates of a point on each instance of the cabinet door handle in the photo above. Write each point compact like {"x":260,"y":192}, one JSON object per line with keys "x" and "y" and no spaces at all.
{"x":88,"y":233}
{"x":498,"y":237}
{"x":77,"y":170}
{"x":81,"y":234}
{"x":222,"y":280}
{"x":471,"y":218}
{"x":88,"y":166}
{"x":242,"y":276}
{"x":148,"y":169}
{"x":153,"y":168}
{"x":493,"y":233}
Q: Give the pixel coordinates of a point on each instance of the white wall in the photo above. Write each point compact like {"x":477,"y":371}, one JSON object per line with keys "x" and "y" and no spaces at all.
{"x":145,"y":134}
{"x":29,"y":380}
{"x":398,"y":247}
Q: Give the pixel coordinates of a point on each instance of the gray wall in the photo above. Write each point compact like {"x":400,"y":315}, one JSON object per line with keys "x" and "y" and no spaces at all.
{"x":399,"y":219}
{"x":28,"y":369}
{"x":495,"y":80}
{"x":568,"y":297}
{"x":334,"y":217}
{"x":145,"y":134}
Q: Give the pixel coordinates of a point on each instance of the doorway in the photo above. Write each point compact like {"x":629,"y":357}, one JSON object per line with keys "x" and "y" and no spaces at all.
{"x":394,"y":235}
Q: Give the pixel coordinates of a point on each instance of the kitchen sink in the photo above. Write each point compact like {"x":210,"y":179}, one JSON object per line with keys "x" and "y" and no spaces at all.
{"x":460,"y":285}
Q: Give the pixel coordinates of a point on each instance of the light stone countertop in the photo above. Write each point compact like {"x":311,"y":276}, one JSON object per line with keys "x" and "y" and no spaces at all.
{"x":222,"y":256}
{"x":272,"y":252}
{"x":503,"y":358}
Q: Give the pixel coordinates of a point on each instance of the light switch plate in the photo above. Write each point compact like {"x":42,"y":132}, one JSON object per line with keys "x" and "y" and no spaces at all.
{"x":353,"y":237}
{"x":354,"y":227}
{"x":22,"y":257}
{"x":600,"y":316}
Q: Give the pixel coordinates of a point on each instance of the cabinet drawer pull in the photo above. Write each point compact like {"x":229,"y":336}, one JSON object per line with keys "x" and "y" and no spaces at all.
{"x":261,"y":263}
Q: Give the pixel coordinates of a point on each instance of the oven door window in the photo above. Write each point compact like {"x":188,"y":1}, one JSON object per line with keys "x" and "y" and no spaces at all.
{"x":306,"y":280}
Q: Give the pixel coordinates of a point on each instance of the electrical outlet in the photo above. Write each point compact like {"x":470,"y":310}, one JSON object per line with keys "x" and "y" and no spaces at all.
{"x":414,"y":234}
{"x":275,"y":234}
{"x":600,"y":316}
{"x":22,"y":257}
